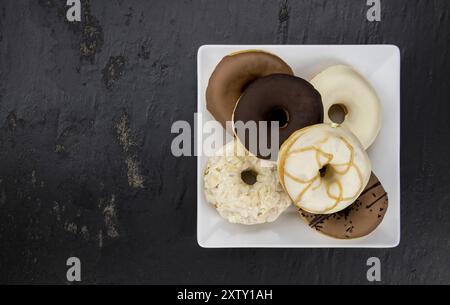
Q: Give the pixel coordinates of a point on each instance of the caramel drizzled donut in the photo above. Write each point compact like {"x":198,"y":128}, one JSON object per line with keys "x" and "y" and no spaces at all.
{"x":233,"y":74}
{"x":323,"y":168}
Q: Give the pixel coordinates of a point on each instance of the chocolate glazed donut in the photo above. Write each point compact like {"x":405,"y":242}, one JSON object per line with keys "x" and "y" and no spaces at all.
{"x":233,"y":74}
{"x":289,"y":100}
{"x":359,"y":219}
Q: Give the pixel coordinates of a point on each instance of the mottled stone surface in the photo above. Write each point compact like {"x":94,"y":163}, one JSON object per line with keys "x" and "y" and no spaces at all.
{"x":85,"y":116}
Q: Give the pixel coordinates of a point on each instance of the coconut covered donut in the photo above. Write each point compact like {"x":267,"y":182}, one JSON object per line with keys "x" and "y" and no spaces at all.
{"x":348,"y":99}
{"x":323,"y":168}
{"x":233,"y":74}
{"x":243,"y":188}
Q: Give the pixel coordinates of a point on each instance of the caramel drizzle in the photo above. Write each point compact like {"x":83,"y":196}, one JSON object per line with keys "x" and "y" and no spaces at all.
{"x":338,"y":199}
{"x":299,"y":197}
{"x":318,"y":186}
{"x":296,"y":179}
{"x":318,"y":153}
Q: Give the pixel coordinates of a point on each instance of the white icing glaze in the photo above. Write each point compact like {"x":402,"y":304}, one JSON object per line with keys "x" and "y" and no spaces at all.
{"x":311,"y":149}
{"x":343,"y":85}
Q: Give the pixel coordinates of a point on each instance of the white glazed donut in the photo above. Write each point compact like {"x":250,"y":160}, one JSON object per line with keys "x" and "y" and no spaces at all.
{"x":236,"y":200}
{"x":347,"y":89}
{"x":323,"y":168}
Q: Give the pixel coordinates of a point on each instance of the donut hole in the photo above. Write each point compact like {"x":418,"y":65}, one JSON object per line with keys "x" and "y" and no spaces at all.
{"x":323,"y":171}
{"x":326,"y":172}
{"x":280,"y":115}
{"x":337,"y":113}
{"x":249,"y":176}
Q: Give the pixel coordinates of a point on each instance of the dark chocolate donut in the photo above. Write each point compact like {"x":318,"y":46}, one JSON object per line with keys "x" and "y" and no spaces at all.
{"x":290,"y":100}
{"x":359,"y":219}
{"x":233,"y":74}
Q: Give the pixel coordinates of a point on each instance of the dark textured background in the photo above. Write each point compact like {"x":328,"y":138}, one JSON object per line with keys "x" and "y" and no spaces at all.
{"x":85,"y":116}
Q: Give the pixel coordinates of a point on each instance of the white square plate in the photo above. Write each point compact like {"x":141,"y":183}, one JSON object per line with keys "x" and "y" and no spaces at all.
{"x":380,"y":65}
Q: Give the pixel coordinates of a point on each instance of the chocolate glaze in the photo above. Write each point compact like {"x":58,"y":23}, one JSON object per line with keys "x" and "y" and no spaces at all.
{"x":296,"y":96}
{"x":359,"y":219}
{"x":233,"y":74}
